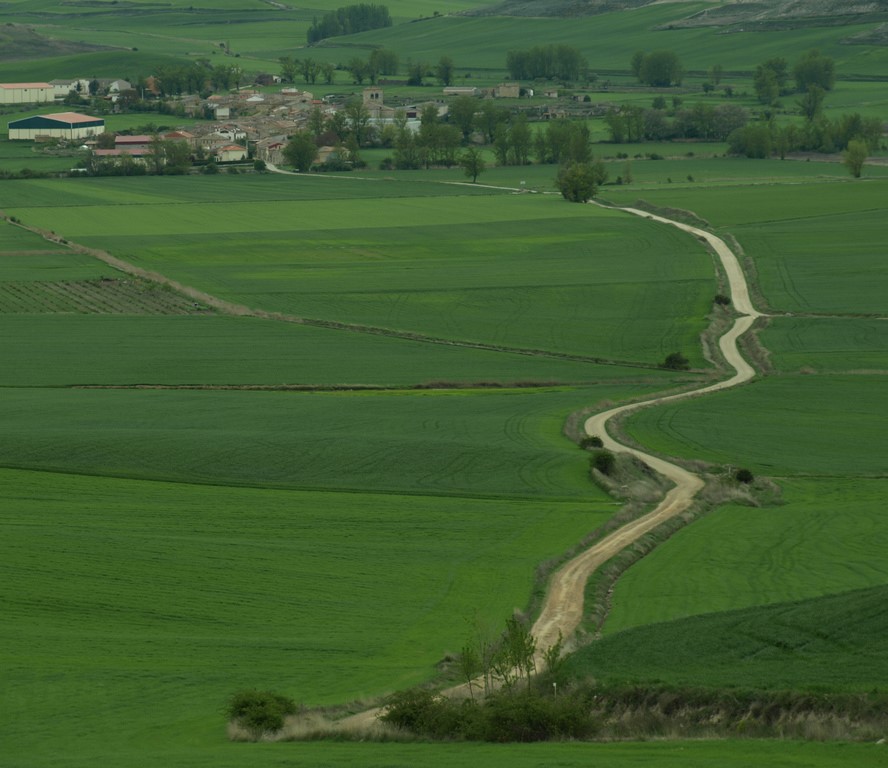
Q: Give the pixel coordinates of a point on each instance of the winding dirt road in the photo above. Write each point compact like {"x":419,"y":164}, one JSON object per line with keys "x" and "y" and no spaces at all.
{"x":562,"y":609}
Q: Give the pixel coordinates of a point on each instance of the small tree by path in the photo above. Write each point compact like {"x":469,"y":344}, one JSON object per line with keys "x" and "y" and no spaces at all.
{"x":855,"y":156}
{"x":676,"y":361}
{"x":472,"y":162}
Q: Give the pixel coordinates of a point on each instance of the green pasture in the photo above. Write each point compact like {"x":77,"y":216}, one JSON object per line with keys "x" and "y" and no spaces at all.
{"x":219,"y":351}
{"x":825,"y":537}
{"x":795,"y":425}
{"x":516,"y":271}
{"x":608,"y":41}
{"x":833,"y":643}
{"x":490,"y":443}
{"x":132,"y":610}
{"x":826,"y":344}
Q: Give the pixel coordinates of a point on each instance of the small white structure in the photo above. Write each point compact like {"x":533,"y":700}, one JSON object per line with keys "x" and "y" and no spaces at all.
{"x":26,"y":93}
{"x":62,"y":125}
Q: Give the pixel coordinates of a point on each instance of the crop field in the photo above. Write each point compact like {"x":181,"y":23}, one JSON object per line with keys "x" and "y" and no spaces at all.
{"x":321,"y":498}
{"x":499,"y":442}
{"x":467,"y":267}
{"x":833,"y":643}
{"x":814,"y":345}
{"x":827,"y":536}
{"x":133,"y":609}
{"x":777,"y":426}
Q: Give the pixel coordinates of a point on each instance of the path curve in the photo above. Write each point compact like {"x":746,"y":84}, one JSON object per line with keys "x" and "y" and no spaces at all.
{"x":562,"y":609}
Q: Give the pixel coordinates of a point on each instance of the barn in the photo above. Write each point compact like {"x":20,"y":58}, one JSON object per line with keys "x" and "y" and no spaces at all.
{"x":26,"y":93}
{"x":62,"y":125}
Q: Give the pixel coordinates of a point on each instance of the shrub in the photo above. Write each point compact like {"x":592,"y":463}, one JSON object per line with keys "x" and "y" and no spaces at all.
{"x":604,"y":461}
{"x":594,"y":441}
{"x":260,"y":712}
{"x":722,"y":300}
{"x":676,"y":361}
{"x":744,"y":476}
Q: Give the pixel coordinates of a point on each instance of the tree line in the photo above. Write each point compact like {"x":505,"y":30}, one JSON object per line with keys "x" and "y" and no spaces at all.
{"x":550,"y":62}
{"x":349,"y":20}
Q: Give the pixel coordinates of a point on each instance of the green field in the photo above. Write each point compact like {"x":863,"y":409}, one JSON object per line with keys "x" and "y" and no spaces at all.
{"x":195,"y":502}
{"x":514,"y":271}
{"x":833,"y":643}
{"x":826,"y":537}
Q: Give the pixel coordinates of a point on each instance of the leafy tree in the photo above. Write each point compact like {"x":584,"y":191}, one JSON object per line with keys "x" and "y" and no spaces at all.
{"x":489,"y":117}
{"x":577,"y":182}
{"x":520,"y":140}
{"x":384,"y":61}
{"x":310,"y":69}
{"x":744,"y":476}
{"x":289,"y":68}
{"x":855,"y":156}
{"x":444,"y":71}
{"x":301,"y":151}
{"x":769,"y":80}
{"x":560,"y":62}
{"x":604,"y":461}
{"x":472,"y":162}
{"x":659,"y":69}
{"x":715,"y":73}
{"x":359,"y":69}
{"x":814,"y":70}
{"x":462,"y":114}
{"x":811,"y":102}
{"x":416,"y":71}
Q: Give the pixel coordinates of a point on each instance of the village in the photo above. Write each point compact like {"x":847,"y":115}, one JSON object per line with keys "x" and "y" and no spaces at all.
{"x":249,"y":124}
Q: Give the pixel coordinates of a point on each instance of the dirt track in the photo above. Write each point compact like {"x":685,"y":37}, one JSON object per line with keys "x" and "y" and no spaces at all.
{"x":562,"y":608}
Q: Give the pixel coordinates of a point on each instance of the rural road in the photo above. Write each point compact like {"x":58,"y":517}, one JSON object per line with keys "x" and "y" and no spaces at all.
{"x":562,"y":609}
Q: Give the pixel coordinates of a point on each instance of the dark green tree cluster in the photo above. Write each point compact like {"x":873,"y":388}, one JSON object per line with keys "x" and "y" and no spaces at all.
{"x":812,"y":71}
{"x":348,"y":21}
{"x":197,"y":77}
{"x":435,"y":144}
{"x":659,"y":69}
{"x":579,"y":182}
{"x":308,"y":68}
{"x":631,"y":123}
{"x":563,"y":141}
{"x":550,"y":62}
{"x":381,"y":62}
{"x":764,"y":139}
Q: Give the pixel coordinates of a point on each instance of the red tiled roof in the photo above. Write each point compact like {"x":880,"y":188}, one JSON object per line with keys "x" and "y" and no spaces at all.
{"x":71,"y":117}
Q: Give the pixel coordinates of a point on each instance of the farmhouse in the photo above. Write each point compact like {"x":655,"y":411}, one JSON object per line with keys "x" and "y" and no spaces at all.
{"x":26,"y":93}
{"x":231,"y":153}
{"x":62,"y":125}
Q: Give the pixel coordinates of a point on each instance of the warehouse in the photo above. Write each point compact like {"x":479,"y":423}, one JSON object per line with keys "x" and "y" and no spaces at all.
{"x":63,"y":125}
{"x":26,"y":93}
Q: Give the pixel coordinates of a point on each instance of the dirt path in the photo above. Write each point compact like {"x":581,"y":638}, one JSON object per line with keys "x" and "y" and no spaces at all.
{"x":562,"y":609}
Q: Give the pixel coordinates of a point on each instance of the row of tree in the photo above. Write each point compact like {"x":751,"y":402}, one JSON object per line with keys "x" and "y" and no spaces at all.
{"x":549,"y":62}
{"x":349,"y":20}
{"x":766,"y":138}
{"x":631,"y":123}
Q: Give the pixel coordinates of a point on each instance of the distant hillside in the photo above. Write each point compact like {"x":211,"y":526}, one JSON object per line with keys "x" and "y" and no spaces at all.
{"x":18,"y":43}
{"x":768,"y":14}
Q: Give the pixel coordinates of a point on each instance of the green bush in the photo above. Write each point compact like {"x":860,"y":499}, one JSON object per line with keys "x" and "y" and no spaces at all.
{"x":676,"y":361}
{"x":604,"y":461}
{"x":594,"y":441}
{"x":260,"y":712}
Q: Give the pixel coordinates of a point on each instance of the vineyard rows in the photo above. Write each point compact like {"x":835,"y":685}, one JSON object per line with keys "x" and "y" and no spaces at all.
{"x":123,"y":296}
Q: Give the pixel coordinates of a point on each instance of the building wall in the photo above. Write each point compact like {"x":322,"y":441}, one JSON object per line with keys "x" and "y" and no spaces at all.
{"x":77,"y":132}
{"x":31,"y":95}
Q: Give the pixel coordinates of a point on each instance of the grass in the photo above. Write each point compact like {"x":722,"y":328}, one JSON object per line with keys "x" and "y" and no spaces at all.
{"x":517,"y":271}
{"x":788,"y":425}
{"x":833,"y":643}
{"x":214,"y":350}
{"x":804,"y":344}
{"x":133,"y":609}
{"x":825,"y":538}
{"x":494,"y":443}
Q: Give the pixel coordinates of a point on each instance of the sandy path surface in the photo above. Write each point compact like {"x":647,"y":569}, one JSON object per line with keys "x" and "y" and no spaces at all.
{"x":562,"y":609}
